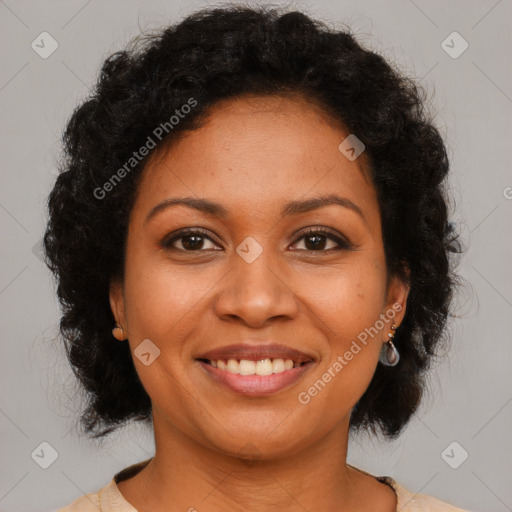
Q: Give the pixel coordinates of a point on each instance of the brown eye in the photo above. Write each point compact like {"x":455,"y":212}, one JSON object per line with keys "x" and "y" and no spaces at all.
{"x":317,"y":240}
{"x":191,"y":240}
{"x":194,"y":240}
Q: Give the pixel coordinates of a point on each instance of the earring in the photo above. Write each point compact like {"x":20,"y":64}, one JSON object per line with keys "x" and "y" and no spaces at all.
{"x":389,"y":355}
{"x":116,"y":330}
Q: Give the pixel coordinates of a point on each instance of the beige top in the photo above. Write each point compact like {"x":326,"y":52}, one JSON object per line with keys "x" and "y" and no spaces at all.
{"x":110,"y":499}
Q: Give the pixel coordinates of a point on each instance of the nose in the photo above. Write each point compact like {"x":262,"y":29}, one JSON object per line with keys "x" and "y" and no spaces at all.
{"x":256,"y":292}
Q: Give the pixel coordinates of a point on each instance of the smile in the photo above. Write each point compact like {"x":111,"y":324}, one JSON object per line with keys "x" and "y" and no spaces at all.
{"x":255,"y":368}
{"x":255,"y":378}
{"x":262,"y":367}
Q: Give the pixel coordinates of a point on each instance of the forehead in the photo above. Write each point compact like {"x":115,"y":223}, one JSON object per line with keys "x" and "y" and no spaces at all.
{"x":254,"y":152}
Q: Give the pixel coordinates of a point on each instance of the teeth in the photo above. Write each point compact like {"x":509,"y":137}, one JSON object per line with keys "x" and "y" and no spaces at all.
{"x":278,"y":365}
{"x":247,"y":367}
{"x":262,"y":367}
{"x":233,"y":366}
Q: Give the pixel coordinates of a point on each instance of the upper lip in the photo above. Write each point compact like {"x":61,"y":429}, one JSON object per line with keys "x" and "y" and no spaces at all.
{"x":256,"y":353}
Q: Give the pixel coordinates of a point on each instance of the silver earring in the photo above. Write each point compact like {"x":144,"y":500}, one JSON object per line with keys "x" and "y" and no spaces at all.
{"x":389,"y":355}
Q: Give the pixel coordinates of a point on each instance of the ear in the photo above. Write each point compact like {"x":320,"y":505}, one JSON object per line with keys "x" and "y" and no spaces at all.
{"x":116,"y":298}
{"x":398,"y":291}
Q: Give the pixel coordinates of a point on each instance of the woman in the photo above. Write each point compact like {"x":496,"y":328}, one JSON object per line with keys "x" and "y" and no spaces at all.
{"x":252,"y":248}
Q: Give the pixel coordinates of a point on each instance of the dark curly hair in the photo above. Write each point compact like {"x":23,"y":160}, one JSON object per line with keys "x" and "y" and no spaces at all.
{"x":220,"y":53}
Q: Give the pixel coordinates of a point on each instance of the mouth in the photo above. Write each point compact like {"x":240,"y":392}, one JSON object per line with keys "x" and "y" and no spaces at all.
{"x":255,"y":370}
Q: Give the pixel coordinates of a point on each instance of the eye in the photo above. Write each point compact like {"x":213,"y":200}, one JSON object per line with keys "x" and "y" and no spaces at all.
{"x":315,"y":239}
{"x":193,"y":240}
{"x":190,"y":240}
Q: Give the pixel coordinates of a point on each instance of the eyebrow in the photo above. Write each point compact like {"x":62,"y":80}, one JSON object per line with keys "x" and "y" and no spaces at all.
{"x":290,"y":208}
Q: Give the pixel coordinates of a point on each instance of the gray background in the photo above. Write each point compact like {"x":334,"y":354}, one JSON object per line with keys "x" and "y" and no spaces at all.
{"x":470,"y":391}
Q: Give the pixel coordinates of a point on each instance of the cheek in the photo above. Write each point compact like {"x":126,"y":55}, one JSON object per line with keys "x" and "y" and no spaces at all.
{"x":347,"y":300}
{"x":160,"y":305}
{"x":160,"y":297}
{"x":349,"y":309}
{"x":349,"y":303}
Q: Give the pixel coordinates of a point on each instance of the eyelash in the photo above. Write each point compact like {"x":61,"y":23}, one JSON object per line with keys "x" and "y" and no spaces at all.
{"x":343,"y":244}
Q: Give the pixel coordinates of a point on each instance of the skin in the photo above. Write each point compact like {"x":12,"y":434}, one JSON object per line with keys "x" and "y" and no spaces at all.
{"x":217,"y":450}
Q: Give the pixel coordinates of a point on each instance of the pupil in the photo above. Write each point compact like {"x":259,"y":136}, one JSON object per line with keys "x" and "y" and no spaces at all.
{"x":316,"y":245}
{"x":194,"y":245}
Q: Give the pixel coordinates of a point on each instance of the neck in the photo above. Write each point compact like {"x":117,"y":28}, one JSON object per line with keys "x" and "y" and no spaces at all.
{"x":189,"y":476}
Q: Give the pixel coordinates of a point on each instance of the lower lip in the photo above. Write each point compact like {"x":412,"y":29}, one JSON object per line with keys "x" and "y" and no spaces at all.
{"x":256,"y":385}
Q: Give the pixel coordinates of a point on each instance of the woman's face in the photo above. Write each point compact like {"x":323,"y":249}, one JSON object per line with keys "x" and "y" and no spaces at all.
{"x":253,"y":278}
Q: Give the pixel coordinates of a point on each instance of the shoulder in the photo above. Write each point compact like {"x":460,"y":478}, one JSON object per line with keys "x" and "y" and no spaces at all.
{"x":86,"y":503}
{"x":109,"y":499}
{"x":411,"y":502}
